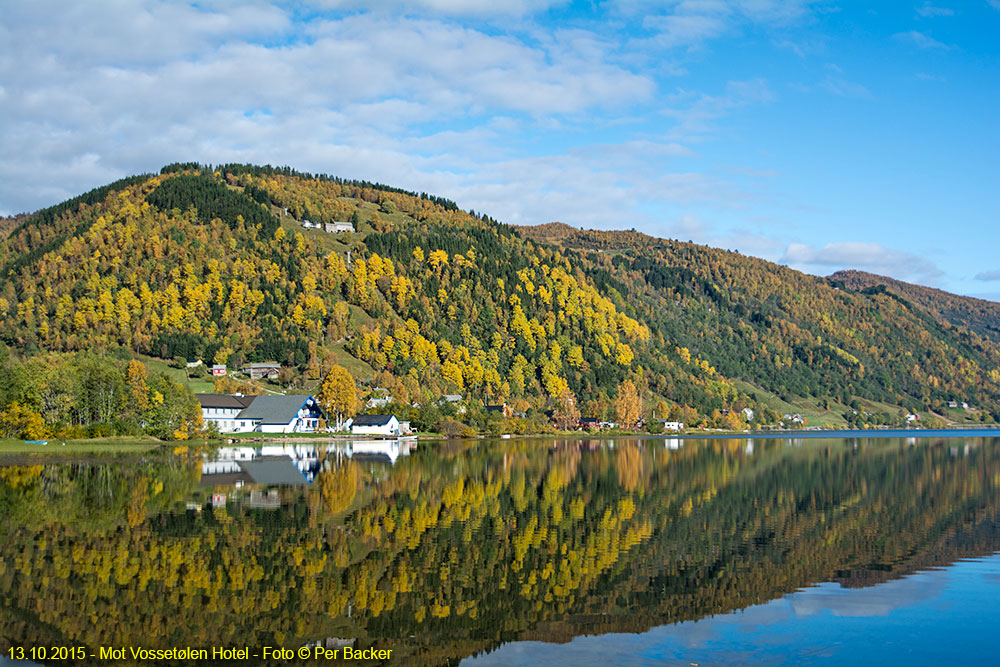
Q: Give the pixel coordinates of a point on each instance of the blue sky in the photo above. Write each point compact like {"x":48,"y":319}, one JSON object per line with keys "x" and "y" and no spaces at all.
{"x":822,"y":135}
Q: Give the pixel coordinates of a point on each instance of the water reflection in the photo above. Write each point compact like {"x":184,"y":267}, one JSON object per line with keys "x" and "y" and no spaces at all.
{"x":292,"y":465}
{"x":459,"y":547}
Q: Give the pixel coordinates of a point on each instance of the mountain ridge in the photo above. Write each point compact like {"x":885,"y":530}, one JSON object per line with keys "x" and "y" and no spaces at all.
{"x":975,"y":314}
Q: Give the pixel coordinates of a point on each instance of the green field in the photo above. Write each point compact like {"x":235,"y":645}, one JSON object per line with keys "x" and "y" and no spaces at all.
{"x":192,"y":380}
{"x":94,"y":446}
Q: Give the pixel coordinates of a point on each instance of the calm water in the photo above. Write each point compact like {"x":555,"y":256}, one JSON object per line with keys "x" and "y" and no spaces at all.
{"x":828,"y":551}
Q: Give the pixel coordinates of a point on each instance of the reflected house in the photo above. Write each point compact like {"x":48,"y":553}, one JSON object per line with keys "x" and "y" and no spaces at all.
{"x":378,"y":450}
{"x":261,"y":500}
{"x":375,"y":425}
{"x":279,"y":465}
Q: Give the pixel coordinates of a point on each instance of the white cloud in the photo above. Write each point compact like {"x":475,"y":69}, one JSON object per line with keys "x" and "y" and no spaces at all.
{"x":871,"y":257}
{"x":696,"y":113}
{"x":352,"y":95}
{"x":691,"y":23}
{"x":880,"y":600}
{"x":686,"y":29}
{"x":988,"y":275}
{"x":927,"y":10}
{"x":921,"y":40}
{"x":449,"y":7}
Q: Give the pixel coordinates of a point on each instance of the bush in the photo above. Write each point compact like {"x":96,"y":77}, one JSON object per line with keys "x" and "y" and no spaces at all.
{"x":452,"y":428}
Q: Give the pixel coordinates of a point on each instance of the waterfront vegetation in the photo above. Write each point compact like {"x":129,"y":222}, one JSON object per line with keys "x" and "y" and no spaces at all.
{"x":466,"y":545}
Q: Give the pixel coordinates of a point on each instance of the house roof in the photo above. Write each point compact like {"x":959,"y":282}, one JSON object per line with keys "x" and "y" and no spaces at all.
{"x":274,"y":472}
{"x":224,"y":401}
{"x":274,"y":409}
{"x":268,"y":364}
{"x":496,"y":408}
{"x":372,"y":420}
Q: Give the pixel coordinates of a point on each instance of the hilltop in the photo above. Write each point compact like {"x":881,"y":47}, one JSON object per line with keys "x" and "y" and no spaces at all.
{"x":424,"y":299}
{"x":978,"y":315}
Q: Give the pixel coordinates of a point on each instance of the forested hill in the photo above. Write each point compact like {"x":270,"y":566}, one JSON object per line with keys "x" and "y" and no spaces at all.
{"x":977,"y":315}
{"x":424,"y":299}
{"x":784,"y":331}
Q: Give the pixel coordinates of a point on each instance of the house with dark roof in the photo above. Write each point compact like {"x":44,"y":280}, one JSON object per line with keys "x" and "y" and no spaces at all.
{"x":503,"y":410}
{"x":375,"y":425}
{"x":223,"y":410}
{"x":258,"y":371}
{"x":295,"y":413}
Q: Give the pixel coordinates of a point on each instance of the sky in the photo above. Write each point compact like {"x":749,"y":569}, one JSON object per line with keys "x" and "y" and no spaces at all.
{"x":818,"y":134}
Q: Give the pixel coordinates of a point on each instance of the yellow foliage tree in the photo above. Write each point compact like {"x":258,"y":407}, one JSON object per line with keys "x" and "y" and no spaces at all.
{"x":338,"y":394}
{"x":627,"y":407}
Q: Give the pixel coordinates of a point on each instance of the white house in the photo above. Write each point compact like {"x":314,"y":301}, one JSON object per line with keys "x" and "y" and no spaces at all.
{"x":375,"y":425}
{"x":257,"y":371}
{"x":378,"y":401}
{"x":672,"y":426}
{"x":453,"y":399}
{"x":295,"y":413}
{"x":223,"y":410}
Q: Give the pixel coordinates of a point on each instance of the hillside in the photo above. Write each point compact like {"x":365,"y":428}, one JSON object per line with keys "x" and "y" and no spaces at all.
{"x":215,"y":264}
{"x":786,"y":332}
{"x":978,"y":315}
{"x":424,"y":298}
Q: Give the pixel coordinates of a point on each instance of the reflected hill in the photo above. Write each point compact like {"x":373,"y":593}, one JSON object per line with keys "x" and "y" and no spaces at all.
{"x":455,"y":549}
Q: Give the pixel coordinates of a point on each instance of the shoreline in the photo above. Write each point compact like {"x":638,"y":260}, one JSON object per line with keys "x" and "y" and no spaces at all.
{"x":97,"y":446}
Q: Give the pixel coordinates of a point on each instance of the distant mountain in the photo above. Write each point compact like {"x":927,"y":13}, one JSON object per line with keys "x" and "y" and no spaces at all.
{"x":424,"y":298}
{"x":977,"y":315}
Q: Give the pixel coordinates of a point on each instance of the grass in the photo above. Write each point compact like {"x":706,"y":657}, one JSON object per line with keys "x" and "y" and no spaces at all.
{"x":814,"y":414}
{"x":197,"y":385}
{"x":88,"y":446}
{"x":356,"y":367}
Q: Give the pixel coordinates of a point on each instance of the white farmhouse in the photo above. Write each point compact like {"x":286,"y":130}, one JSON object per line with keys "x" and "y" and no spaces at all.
{"x":375,"y":425}
{"x":295,"y":413}
{"x":223,"y":410}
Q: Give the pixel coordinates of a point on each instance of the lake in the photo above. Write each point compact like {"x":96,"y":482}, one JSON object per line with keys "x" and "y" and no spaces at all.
{"x":584,"y":551}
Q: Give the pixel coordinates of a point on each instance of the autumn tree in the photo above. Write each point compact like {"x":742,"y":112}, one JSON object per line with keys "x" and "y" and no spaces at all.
{"x":338,"y":395}
{"x":627,"y":408}
{"x":566,"y":414}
